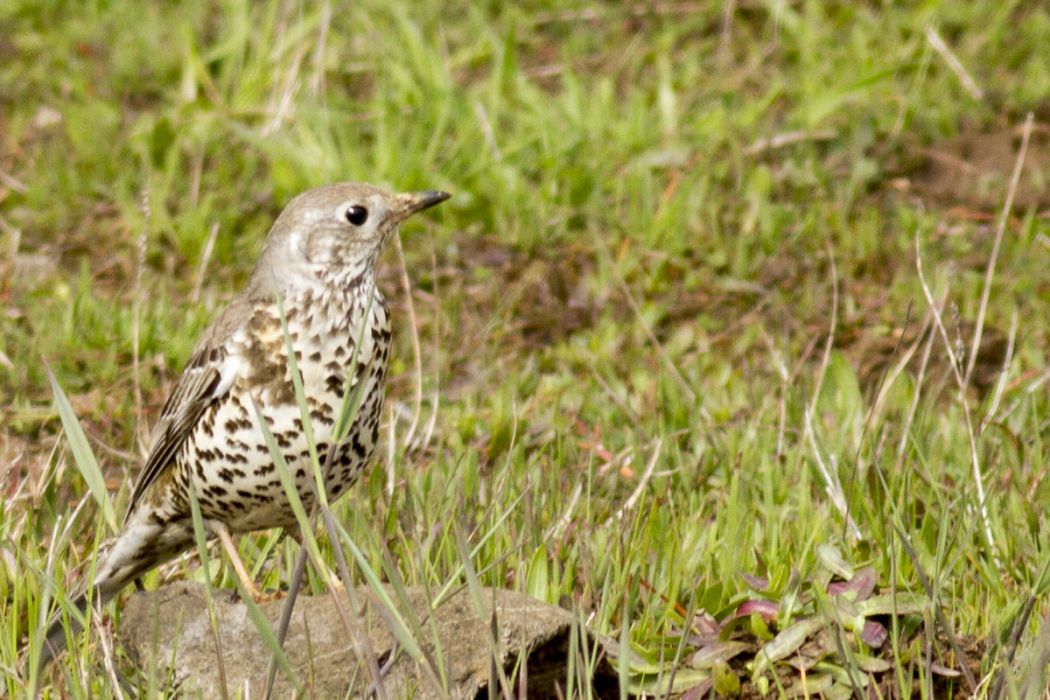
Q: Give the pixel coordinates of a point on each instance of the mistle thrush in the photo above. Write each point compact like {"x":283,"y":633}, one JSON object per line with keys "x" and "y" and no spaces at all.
{"x":319,"y":265}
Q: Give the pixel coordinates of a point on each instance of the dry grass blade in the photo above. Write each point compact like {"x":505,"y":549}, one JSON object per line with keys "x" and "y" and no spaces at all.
{"x":108,"y":662}
{"x":994,"y":257}
{"x":136,"y":314}
{"x":787,"y":138}
{"x":1000,"y":384}
{"x":832,"y":485}
{"x":955,"y":366}
{"x":629,"y":504}
{"x":317,"y":82}
{"x":202,"y":267}
{"x":920,"y":379}
{"x":435,"y":403}
{"x":417,"y":354}
{"x":954,"y":63}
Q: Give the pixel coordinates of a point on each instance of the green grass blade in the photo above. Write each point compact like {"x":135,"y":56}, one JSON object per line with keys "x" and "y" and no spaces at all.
{"x":398,"y":627}
{"x":82,"y":454}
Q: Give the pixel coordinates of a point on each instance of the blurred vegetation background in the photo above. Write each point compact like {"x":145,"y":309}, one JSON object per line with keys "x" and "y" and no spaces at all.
{"x":669,"y":328}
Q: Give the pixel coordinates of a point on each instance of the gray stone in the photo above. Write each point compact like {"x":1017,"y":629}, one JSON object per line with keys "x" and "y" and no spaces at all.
{"x":167,"y":632}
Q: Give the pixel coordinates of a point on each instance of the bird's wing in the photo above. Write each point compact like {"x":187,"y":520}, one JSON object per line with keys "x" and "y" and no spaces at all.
{"x":208,"y":376}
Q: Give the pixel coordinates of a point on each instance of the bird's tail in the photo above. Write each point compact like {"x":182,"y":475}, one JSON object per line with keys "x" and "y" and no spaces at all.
{"x":121,"y":561}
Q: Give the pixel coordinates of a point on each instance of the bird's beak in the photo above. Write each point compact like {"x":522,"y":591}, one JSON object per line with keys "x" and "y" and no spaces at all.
{"x":409,"y":203}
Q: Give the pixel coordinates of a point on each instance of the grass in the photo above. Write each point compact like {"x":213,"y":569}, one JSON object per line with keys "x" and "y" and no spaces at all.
{"x":651,"y":340}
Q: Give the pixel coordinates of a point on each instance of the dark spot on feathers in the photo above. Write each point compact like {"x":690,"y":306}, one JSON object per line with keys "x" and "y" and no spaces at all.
{"x":334,"y":385}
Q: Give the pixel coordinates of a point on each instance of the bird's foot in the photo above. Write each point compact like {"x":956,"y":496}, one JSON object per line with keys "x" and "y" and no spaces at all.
{"x":260,"y":596}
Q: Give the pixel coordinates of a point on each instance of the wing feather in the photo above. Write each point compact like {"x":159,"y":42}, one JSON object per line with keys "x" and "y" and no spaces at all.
{"x":207,"y":377}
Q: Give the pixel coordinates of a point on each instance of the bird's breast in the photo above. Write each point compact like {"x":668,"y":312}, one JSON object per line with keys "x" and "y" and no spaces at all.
{"x":341,"y":355}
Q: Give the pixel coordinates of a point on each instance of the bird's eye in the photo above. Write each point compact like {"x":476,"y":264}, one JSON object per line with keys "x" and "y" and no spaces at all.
{"x":357,"y":215}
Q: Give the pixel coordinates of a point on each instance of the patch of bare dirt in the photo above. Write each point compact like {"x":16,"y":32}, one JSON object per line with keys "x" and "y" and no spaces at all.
{"x":973,"y":170}
{"x":876,"y":352}
{"x":544,"y":297}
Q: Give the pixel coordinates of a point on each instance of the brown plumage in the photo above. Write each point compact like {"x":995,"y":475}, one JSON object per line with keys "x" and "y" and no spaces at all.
{"x":319,"y":260}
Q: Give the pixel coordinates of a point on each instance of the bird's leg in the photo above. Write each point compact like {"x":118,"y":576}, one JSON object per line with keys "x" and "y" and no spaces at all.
{"x":228,"y":544}
{"x":335,"y":584}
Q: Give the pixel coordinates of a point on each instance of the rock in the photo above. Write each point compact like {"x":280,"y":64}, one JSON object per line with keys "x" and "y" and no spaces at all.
{"x":168,"y":630}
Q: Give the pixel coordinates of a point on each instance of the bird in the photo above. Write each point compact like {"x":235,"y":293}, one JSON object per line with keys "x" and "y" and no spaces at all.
{"x":313,"y":291}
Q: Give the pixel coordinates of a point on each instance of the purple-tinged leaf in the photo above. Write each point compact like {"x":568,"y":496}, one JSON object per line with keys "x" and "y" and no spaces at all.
{"x":704,"y":624}
{"x":874,"y":634}
{"x":857,"y":588}
{"x":697,"y":692}
{"x":767,"y":609}
{"x":758,"y":583}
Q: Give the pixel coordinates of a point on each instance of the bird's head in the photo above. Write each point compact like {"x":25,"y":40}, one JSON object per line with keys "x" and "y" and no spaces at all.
{"x":336,"y":231}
